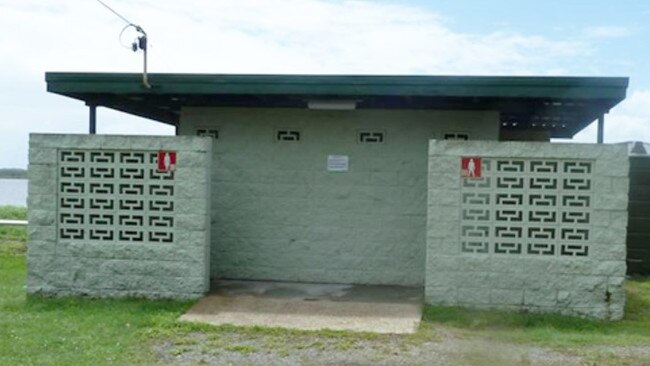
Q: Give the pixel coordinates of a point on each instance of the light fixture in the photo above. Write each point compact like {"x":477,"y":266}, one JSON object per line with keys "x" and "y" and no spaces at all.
{"x":332,"y":105}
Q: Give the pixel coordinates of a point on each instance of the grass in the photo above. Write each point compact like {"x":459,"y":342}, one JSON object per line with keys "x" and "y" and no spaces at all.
{"x":13,"y":212}
{"x":70,"y":331}
{"x":555,"y":330}
{"x":63,"y":331}
{"x":9,"y":234}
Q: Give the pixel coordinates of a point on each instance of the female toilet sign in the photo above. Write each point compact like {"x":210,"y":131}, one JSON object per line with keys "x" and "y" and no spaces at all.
{"x":470,"y":167}
{"x":166,"y":161}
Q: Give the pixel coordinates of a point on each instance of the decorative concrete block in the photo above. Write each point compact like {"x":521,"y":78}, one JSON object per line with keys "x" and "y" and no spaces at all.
{"x":474,"y":296}
{"x":37,"y":217}
{"x":441,"y":246}
{"x":610,"y":166}
{"x":444,"y":197}
{"x":603,"y":184}
{"x":540,"y":297}
{"x":611,"y":251}
{"x":191,"y":160}
{"x":608,"y":235}
{"x":43,"y":201}
{"x":40,"y":233}
{"x":618,"y":218}
{"x":506,"y":280}
{"x":506,"y":297}
{"x":119,"y":143}
{"x":42,"y":156}
{"x":551,"y":219}
{"x":41,"y":172}
{"x":611,"y":201}
{"x":441,"y":295}
{"x":104,"y":222}
{"x":611,"y":268}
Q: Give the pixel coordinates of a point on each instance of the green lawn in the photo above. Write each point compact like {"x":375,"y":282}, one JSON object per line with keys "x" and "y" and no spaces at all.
{"x":70,"y":331}
{"x":13,"y":234}
{"x":554,"y":330}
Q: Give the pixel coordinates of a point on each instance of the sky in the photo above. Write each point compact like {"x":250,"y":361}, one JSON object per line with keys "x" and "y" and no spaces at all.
{"x":418,"y":37}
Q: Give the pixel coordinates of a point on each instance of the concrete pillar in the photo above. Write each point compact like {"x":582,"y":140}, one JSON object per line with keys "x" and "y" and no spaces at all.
{"x":92,"y":119}
{"x":601,"y":128}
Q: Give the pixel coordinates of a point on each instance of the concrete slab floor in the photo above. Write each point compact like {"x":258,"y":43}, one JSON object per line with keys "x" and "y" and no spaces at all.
{"x":379,"y":309}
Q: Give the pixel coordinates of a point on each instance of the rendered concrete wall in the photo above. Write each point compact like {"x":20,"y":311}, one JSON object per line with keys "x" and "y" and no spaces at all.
{"x":103,"y":222}
{"x":278,"y":214}
{"x":543,"y":229}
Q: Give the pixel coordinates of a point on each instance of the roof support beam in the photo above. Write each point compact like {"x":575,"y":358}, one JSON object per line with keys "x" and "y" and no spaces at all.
{"x":601,"y":128}
{"x":141,"y":109}
{"x":92,"y":119}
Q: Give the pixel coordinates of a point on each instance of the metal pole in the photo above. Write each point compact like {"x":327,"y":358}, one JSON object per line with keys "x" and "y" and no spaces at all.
{"x":145,"y":76}
{"x":92,"y":120}
{"x":601,"y":128}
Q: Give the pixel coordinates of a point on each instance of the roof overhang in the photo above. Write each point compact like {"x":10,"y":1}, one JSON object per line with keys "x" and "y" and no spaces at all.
{"x":561,"y":105}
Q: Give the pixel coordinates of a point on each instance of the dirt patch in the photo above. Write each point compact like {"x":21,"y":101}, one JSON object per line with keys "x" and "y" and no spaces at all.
{"x":447,"y":348}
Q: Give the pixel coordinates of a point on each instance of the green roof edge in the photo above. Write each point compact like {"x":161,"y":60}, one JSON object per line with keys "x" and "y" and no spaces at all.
{"x":462,"y":86}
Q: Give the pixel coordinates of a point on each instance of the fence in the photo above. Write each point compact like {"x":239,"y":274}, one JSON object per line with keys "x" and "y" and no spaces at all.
{"x":13,"y":222}
{"x":638,"y":236}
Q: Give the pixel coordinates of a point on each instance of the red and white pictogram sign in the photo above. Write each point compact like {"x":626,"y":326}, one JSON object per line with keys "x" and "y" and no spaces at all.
{"x":470,"y":167}
{"x":166,"y":161}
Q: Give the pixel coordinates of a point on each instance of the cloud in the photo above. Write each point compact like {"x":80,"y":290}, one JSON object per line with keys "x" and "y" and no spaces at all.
{"x":605,"y":32}
{"x":369,"y":38}
{"x":629,"y":121}
{"x":244,"y":36}
{"x":268,"y":37}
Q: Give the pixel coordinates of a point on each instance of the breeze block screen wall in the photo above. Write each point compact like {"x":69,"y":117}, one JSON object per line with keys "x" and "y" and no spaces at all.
{"x":538,"y":227}
{"x":105,"y":221}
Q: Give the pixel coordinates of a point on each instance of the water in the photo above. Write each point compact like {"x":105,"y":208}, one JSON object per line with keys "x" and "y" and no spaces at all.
{"x":13,"y":192}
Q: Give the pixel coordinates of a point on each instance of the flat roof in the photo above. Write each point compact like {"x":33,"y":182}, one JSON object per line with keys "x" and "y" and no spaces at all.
{"x":561,"y":105}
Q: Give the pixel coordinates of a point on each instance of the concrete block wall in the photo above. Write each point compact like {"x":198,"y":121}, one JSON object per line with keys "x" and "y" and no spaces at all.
{"x":542,"y":230}
{"x":279,"y":214}
{"x":103,"y":222}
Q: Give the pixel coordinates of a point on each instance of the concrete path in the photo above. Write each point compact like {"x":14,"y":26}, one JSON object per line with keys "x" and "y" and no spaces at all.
{"x":379,"y":309}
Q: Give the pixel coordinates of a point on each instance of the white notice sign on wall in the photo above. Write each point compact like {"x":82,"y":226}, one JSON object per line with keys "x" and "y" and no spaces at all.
{"x":338,"y":163}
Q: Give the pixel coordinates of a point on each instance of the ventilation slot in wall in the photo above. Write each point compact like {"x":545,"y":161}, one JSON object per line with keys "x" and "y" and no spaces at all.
{"x":456,"y":136}
{"x":287,"y":135}
{"x":214,"y":133}
{"x":371,"y":137}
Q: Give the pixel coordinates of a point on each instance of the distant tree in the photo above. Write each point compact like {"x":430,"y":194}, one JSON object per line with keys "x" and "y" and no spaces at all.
{"x":13,"y":173}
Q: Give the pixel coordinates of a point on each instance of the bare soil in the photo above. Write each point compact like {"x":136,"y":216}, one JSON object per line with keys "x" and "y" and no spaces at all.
{"x":447,"y":348}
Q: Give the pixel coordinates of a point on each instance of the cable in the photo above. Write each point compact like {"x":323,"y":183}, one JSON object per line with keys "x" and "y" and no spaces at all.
{"x":128,"y":24}
{"x":116,"y":13}
{"x":140,"y":44}
{"x":119,"y":38}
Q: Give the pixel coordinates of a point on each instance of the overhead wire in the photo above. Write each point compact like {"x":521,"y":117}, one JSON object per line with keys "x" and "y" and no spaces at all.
{"x":116,"y":13}
{"x":141,"y":41}
{"x":119,"y":38}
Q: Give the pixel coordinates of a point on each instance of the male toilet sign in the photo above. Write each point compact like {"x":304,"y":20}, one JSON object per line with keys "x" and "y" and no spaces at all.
{"x":470,"y":167}
{"x":166,"y":161}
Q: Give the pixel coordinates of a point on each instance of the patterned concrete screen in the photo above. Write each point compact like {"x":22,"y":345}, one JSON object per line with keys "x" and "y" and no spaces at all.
{"x":104,"y":220}
{"x":537,"y":227}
